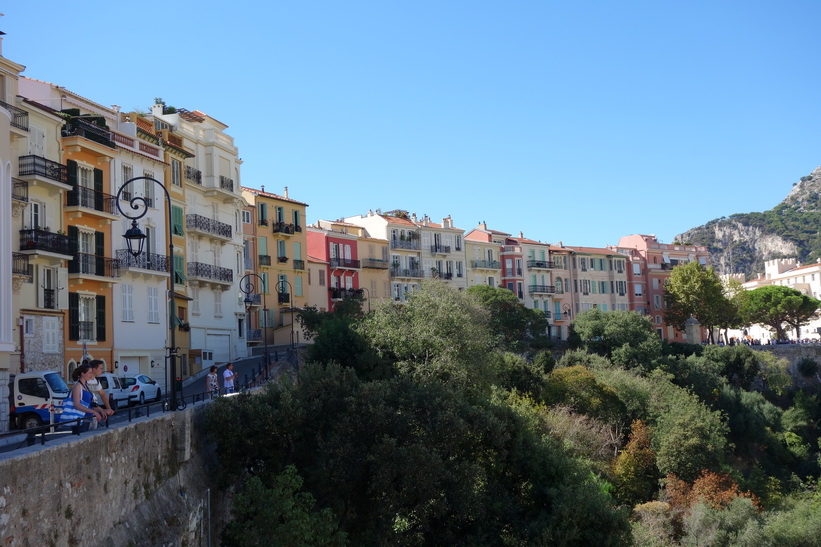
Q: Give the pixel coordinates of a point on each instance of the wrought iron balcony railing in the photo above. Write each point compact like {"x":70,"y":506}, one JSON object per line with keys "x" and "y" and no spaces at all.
{"x":440,"y":249}
{"x":255,"y":299}
{"x":86,"y":330}
{"x":486,"y":264}
{"x":406,"y":272}
{"x":41,"y":240}
{"x":19,"y":190}
{"x":284,"y":298}
{"x":19,"y":264}
{"x":208,"y":271}
{"x":513,"y":272}
{"x":262,"y":221}
{"x":146,"y":261}
{"x":539,"y":264}
{"x":282,"y":228}
{"x":299,"y":264}
{"x":408,"y":244}
{"x":264,"y":260}
{"x":50,"y":299}
{"x":19,"y":117}
{"x":375,"y":264}
{"x":344,"y":263}
{"x":194,"y":175}
{"x":92,"y":199}
{"x":339,"y":294}
{"x":282,"y":259}
{"x":543,"y":289}
{"x":254,"y":335}
{"x":226,"y":183}
{"x":40,"y":166}
{"x":208,"y":225}
{"x":77,"y":127}
{"x":89,"y":264}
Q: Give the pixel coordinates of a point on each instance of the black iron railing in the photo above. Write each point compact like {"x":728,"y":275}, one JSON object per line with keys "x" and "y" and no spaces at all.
{"x":19,"y":117}
{"x":546,"y":289}
{"x":375,"y":264}
{"x":146,"y":261}
{"x":513,"y":272}
{"x":226,"y":183}
{"x":208,"y":225}
{"x":487,"y":264}
{"x":339,"y":294}
{"x":41,"y":240}
{"x":208,"y":271}
{"x":440,"y":249}
{"x":89,"y":264}
{"x":264,"y":260}
{"x":254,"y":299}
{"x":77,"y":127}
{"x":282,"y":259}
{"x":283,"y":297}
{"x":343,"y":263}
{"x":86,"y":330}
{"x":282,"y":228}
{"x":409,"y":244}
{"x":254,"y":335}
{"x":299,"y":264}
{"x":50,"y":299}
{"x":92,"y":199}
{"x":406,"y":272}
{"x":40,"y":166}
{"x":539,"y":264}
{"x":194,"y":175}
{"x":262,"y":221}
{"x":19,"y":190}
{"x":19,"y":264}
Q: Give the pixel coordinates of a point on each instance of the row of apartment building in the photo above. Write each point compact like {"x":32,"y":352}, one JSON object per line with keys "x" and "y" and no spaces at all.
{"x":244,"y":261}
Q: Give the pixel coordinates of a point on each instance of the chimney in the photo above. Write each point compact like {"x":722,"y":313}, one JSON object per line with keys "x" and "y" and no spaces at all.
{"x":262,"y":188}
{"x":521,"y":235}
{"x":447,"y":222}
{"x":286,"y":192}
{"x":413,"y":217}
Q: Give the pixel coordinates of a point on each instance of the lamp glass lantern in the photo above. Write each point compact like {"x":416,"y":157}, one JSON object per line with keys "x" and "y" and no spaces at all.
{"x":135,"y":239}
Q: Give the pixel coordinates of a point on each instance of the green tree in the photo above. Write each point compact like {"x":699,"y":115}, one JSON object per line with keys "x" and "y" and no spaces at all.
{"x":775,"y":305}
{"x":694,"y":290}
{"x":577,"y":387}
{"x":516,"y":325}
{"x":626,"y":338}
{"x":635,"y":472}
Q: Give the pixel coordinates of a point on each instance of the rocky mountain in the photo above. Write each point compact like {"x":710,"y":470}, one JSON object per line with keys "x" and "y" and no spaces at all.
{"x":742,"y":242}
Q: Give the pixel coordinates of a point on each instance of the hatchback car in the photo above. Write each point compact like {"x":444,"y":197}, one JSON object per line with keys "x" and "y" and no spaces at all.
{"x":141,"y":388}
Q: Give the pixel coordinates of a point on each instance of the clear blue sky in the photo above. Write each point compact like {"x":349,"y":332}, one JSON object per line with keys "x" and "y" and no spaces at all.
{"x":571,"y":121}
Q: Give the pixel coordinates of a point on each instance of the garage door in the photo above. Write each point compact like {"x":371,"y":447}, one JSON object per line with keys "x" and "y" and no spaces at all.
{"x":129,"y":366}
{"x":220,"y":345}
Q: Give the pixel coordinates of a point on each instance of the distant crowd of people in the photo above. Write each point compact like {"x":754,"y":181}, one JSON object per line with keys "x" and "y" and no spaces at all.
{"x":749,"y":341}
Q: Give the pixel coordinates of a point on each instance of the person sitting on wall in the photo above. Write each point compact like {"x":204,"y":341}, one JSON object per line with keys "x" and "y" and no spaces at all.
{"x":78,"y":403}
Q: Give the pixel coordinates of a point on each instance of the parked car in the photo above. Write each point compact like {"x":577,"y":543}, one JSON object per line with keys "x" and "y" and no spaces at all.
{"x":141,"y":388}
{"x":115,"y":388}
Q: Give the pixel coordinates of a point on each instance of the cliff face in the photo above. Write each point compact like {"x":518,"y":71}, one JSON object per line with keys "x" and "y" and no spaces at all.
{"x":742,"y":242}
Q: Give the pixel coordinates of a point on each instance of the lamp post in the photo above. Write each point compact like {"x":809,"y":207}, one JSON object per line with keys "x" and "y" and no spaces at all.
{"x":134,"y":237}
{"x":249,"y":288}
{"x":290,"y":301}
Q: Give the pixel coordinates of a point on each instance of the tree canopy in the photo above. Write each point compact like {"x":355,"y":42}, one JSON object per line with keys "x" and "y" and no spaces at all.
{"x":775,"y":305}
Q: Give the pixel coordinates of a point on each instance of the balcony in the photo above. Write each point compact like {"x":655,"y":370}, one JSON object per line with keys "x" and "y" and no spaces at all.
{"x":407,"y":244}
{"x":513,"y":272}
{"x":282,"y":228}
{"x":34,"y":241}
{"x":86,"y":200}
{"x":284,"y":298}
{"x":375,"y":264}
{"x":19,"y":190}
{"x":339,"y":294}
{"x":78,"y":133}
{"x":40,"y":171}
{"x":485,"y":264}
{"x":254,"y":299}
{"x":19,"y":117}
{"x":344,"y":263}
{"x":254,"y":335}
{"x":20,"y":264}
{"x":212,"y":274}
{"x":540,"y":264}
{"x":440,"y":249}
{"x":226,"y":184}
{"x":94,"y":265}
{"x":193,"y":175}
{"x":50,"y":299}
{"x":541,"y":289}
{"x":264,"y":260}
{"x":145,"y":261}
{"x":208,"y":226}
{"x":262,"y":222}
{"x":282,"y":259}
{"x":406,"y":272}
{"x":299,"y":264}
{"x":441,"y":275}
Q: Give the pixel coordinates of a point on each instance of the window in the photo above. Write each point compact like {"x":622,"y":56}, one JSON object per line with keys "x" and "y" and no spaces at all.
{"x":176,"y":221}
{"x":176,"y":172}
{"x":195,"y":300}
{"x":262,"y":213}
{"x":86,"y":317}
{"x":153,"y":305}
{"x":297,"y":222}
{"x":241,"y":327}
{"x":658,"y":320}
{"x":321,"y":278}
{"x":298,"y":286}
{"x":51,"y":335}
{"x":28,"y":326}
{"x":179,"y":265}
{"x":657,"y":301}
{"x":148,"y":190}
{"x":128,"y":174}
{"x":217,"y":303}
{"x":85,"y":177}
{"x":280,"y":212}
{"x":636,"y":268}
{"x":281,"y":249}
{"x":127,"y":292}
{"x":637,"y":289}
{"x":583,"y":262}
{"x":246,"y":216}
{"x":37,"y":215}
{"x":655,"y":284}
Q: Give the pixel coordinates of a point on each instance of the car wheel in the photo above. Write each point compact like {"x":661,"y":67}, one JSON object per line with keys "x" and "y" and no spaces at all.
{"x":32,"y":420}
{"x":142,"y":398}
{"x":159,"y":394}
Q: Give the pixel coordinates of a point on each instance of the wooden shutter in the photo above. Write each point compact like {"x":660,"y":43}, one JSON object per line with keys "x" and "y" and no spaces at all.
{"x":72,"y":172}
{"x":98,"y":189}
{"x":100,"y":318}
{"x":73,"y":316}
{"x":73,"y":239}
{"x":99,"y":252}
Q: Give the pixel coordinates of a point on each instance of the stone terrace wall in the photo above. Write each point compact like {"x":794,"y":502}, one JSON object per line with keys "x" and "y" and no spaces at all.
{"x":145,"y":483}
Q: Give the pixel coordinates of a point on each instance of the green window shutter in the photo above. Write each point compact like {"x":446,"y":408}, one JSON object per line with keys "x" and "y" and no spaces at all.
{"x":72,"y":172}
{"x":100,"y":318}
{"x":179,"y":266}
{"x":264,"y":287}
{"x":297,"y":250}
{"x":176,"y":221}
{"x":263,"y":246}
{"x":73,"y":316}
{"x":99,"y":252}
{"x":298,"y":286}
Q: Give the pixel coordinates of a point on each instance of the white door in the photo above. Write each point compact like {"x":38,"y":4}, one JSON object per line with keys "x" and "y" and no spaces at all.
{"x":220,"y":345}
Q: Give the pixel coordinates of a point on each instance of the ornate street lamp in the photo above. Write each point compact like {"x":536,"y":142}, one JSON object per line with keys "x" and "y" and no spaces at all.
{"x":249,"y":288}
{"x":287,"y":297}
{"x":135,"y":239}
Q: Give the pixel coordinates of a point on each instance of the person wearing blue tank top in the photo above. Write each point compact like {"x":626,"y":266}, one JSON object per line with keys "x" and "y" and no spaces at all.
{"x":78,"y":403}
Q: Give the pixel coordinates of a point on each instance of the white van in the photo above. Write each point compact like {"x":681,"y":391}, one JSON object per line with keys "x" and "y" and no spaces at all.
{"x":36,"y":398}
{"x":114,"y":387}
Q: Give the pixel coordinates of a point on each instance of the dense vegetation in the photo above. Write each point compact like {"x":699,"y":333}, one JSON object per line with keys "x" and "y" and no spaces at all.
{"x":433,"y":422}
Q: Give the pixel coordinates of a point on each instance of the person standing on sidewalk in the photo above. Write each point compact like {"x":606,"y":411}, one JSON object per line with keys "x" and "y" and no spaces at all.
{"x":228,"y":377}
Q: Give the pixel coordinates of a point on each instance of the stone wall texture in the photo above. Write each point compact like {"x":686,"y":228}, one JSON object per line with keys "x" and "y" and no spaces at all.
{"x":145,"y":483}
